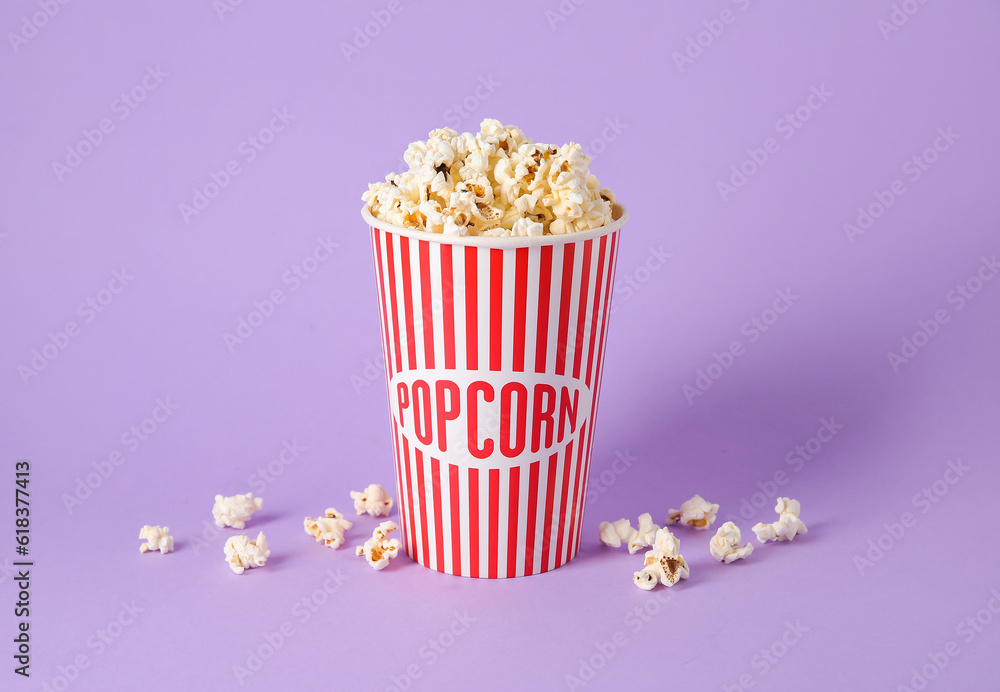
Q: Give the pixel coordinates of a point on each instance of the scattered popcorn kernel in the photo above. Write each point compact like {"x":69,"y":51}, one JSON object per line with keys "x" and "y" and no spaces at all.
{"x":725,"y":545}
{"x":613,"y":534}
{"x":235,"y":511}
{"x":374,"y":499}
{"x":695,"y":512}
{"x":157,"y":538}
{"x":329,"y":528}
{"x":672,"y":568}
{"x":788,"y":525}
{"x":666,"y":542}
{"x":379,"y":549}
{"x":664,"y":563}
{"x":646,"y":578}
{"x":242,"y":553}
{"x":644,"y":535}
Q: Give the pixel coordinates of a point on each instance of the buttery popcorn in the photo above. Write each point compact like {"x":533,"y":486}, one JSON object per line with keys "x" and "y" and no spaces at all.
{"x":236,"y":510}
{"x":374,"y":499}
{"x":725,"y":545}
{"x":157,"y":538}
{"x":495,"y":183}
{"x":242,"y":553}
{"x":329,"y":528}
{"x":663,"y":564}
{"x":788,"y":525}
{"x":695,"y":512}
{"x":379,"y":549}
{"x":644,"y":535}
{"x":612,"y":534}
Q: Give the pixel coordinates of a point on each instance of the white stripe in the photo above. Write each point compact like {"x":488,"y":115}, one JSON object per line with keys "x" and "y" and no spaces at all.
{"x":555,"y":289}
{"x":463,"y":500}
{"x":503,"y":526}
{"x":507,"y":313}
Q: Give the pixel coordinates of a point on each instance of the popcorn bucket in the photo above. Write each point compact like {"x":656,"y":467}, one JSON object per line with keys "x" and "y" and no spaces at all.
{"x":494,"y":352}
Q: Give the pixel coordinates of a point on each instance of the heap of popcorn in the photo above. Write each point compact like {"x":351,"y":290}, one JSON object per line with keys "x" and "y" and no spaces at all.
{"x":494,"y":183}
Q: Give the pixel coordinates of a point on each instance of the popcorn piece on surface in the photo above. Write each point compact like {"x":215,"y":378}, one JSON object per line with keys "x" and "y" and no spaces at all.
{"x":242,"y":553}
{"x":236,"y":510}
{"x":157,"y":538}
{"x":788,"y":525}
{"x":663,"y":564}
{"x":374,"y":499}
{"x":494,"y":183}
{"x":644,"y":535}
{"x":614,"y":534}
{"x":379,"y":549}
{"x":329,"y":528}
{"x":725,"y":545}
{"x":695,"y":512}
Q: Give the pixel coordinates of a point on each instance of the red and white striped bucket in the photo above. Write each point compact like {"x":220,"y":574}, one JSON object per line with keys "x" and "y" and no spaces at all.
{"x":493,"y":353}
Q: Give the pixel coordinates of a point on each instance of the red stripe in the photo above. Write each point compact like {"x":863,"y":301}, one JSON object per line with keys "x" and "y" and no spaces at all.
{"x":471,"y":316}
{"x":567,"y":297}
{"x":550,"y":492}
{"x":573,"y":518}
{"x":581,"y":315}
{"x":494,"y":490}
{"x":515,"y":476}
{"x":448,"y":305}
{"x":598,"y":285}
{"x":377,"y":240}
{"x":425,"y":548}
{"x":544,"y":292}
{"x":520,"y":306}
{"x":414,"y":548}
{"x":411,"y":346}
{"x":456,"y":522}
{"x":427,"y":311}
{"x":392,"y":299}
{"x":561,"y":531}
{"x":473,"y":522}
{"x":496,"y":307}
{"x":438,"y":515}
{"x":529,"y":528}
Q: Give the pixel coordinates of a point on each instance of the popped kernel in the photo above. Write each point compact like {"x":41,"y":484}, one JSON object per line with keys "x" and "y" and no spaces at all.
{"x":243,"y":554}
{"x":379,"y":549}
{"x":329,"y":528}
{"x":786,"y":527}
{"x":157,"y":538}
{"x":374,"y":499}
{"x":236,"y":510}
{"x":725,"y":545}
{"x":695,"y":512}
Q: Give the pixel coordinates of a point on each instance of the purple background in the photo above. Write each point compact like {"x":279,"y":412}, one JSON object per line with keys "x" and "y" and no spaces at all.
{"x":310,"y":375}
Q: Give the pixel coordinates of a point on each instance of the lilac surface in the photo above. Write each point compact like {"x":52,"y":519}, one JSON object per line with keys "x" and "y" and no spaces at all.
{"x":309,"y":375}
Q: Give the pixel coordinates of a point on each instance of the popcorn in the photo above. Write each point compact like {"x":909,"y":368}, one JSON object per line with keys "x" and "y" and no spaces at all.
{"x":663,"y":564}
{"x":157,"y":538}
{"x":329,"y":528}
{"x":644,"y":535}
{"x":495,"y":183}
{"x":242,"y":553}
{"x":379,"y":549}
{"x":614,"y":534}
{"x":724,"y":546}
{"x":374,"y":499}
{"x":788,"y":525}
{"x":235,"y":511}
{"x":695,"y":512}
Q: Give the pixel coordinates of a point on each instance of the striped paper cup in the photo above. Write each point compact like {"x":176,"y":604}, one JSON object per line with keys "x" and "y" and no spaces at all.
{"x":493,"y":354}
